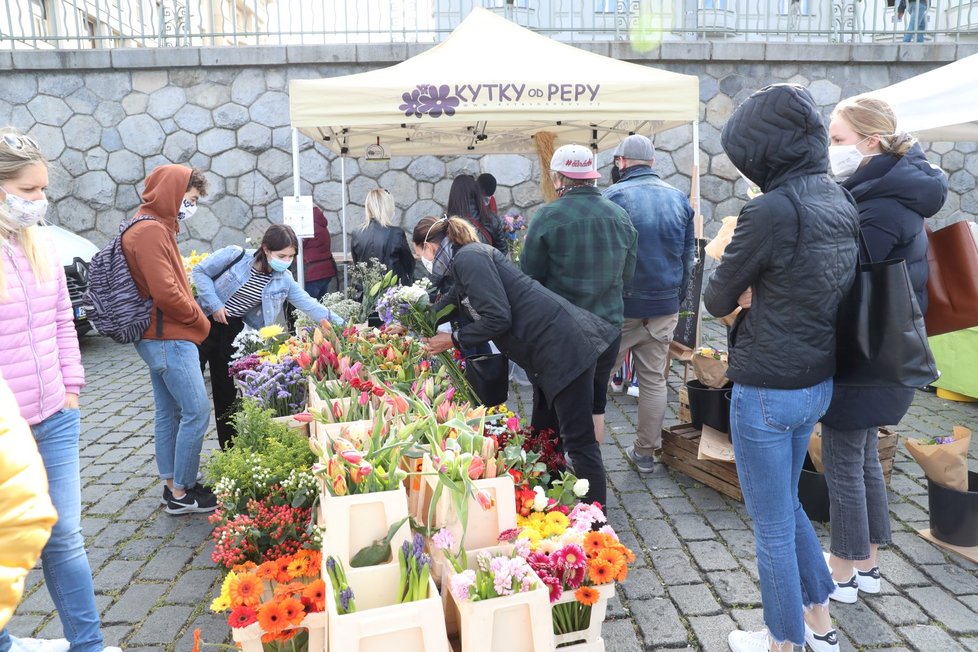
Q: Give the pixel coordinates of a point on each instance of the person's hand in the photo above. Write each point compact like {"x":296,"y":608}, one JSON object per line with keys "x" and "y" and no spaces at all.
{"x":396,"y":329}
{"x":744,"y":300}
{"x":438,"y":343}
{"x":221,"y":316}
{"x":71,"y":401}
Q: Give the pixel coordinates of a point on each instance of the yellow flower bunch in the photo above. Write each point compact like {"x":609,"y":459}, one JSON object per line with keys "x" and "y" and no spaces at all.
{"x":539,"y":527}
{"x":270,"y":332}
{"x":223,"y":601}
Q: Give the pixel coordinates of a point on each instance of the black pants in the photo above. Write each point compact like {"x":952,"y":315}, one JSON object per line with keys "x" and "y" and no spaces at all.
{"x":570,"y":415}
{"x":545,"y":417}
{"x":216,"y":351}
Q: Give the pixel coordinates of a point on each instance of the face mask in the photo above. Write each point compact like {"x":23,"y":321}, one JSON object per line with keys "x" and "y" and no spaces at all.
{"x":428,"y":264}
{"x":278,"y":265}
{"x":846,"y":159}
{"x":187,"y":209}
{"x":25,"y":211}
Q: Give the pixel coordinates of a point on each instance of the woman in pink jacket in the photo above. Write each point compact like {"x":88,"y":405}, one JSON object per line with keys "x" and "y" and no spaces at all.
{"x":42,"y":365}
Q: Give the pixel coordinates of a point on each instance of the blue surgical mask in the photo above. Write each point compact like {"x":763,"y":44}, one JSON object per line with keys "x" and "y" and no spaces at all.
{"x":278,"y":265}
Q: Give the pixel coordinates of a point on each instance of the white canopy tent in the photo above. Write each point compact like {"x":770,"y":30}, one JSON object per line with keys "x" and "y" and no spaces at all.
{"x":488,"y":89}
{"x":939,"y":105}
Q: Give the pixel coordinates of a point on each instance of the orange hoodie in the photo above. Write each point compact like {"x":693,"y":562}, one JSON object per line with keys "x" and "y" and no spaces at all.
{"x":154,"y":260}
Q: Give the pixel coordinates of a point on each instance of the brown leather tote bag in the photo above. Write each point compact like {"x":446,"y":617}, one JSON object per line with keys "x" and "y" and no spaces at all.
{"x":952,"y":284}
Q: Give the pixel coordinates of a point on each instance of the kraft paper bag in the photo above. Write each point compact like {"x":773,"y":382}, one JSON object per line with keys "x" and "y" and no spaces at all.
{"x":945,"y":464}
{"x":716,"y":246}
{"x":710,"y":367}
{"x":815,"y":448}
{"x":715,"y":445}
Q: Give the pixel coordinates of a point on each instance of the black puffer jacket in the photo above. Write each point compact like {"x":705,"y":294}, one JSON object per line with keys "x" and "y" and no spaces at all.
{"x":552,"y":339}
{"x":893,"y":195}
{"x":794,"y":246}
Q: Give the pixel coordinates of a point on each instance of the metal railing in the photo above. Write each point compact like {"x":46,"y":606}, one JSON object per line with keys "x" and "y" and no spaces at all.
{"x":646,"y":23}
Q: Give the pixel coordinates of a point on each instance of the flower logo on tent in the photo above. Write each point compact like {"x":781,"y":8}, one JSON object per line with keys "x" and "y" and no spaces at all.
{"x":430,"y":100}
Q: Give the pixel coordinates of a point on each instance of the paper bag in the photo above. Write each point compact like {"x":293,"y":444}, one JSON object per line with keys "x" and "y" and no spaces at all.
{"x":716,"y":246}
{"x":945,"y":464}
{"x":710,"y":367}
{"x":815,"y":448}
{"x":715,"y":445}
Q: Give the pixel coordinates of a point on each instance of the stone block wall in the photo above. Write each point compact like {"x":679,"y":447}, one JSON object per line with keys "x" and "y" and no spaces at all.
{"x":105,"y":121}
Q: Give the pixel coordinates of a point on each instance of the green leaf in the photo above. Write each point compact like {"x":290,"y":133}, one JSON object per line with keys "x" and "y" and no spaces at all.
{"x":379,"y":551}
{"x":444,"y":312}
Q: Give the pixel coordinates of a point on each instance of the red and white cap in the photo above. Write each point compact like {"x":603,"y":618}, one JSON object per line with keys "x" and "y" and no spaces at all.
{"x":574,"y":162}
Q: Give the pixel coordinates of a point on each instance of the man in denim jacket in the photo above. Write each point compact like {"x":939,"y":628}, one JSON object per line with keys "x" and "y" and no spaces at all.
{"x":663,"y":218}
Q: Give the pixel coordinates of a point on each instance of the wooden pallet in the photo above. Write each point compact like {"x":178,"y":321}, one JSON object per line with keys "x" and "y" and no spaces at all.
{"x":680,"y":446}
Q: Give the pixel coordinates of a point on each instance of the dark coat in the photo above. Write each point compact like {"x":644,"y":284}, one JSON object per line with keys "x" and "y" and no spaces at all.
{"x":550,"y":338}
{"x":794,"y":246}
{"x":317,"y":251}
{"x":894,"y":196}
{"x":389,"y":245}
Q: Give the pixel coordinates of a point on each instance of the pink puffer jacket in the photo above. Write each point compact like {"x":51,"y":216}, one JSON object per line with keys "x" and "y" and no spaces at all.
{"x":40,"y":359}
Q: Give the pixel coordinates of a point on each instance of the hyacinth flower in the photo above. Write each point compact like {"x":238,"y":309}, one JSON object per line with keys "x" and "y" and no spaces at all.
{"x":342,"y":593}
{"x":415,"y":567}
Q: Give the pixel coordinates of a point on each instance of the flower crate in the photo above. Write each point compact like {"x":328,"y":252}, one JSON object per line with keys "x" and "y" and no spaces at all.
{"x":355,"y":522}
{"x":680,"y":450}
{"x":591,"y":636}
{"x":249,"y":638}
{"x":291,"y":422}
{"x":484,"y":526}
{"x":380,"y":623}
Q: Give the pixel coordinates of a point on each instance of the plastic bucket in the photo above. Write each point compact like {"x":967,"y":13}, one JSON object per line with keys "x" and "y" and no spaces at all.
{"x":813,"y":492}
{"x":953,"y":513}
{"x":709,"y":406}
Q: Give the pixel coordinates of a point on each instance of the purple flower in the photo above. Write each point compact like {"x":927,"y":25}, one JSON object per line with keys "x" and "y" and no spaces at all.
{"x":443,"y":540}
{"x":411,"y":103}
{"x":438,"y":100}
{"x":346,"y":596}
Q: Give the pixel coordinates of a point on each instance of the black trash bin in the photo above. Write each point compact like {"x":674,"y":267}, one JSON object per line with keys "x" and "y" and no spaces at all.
{"x":708,"y":405}
{"x":953,"y":513}
{"x":813,"y":492}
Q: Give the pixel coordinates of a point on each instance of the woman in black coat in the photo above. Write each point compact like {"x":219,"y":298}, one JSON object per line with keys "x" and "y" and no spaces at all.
{"x":466,"y":200}
{"x":556,"y":342}
{"x":379,"y":239}
{"x":895,"y":189}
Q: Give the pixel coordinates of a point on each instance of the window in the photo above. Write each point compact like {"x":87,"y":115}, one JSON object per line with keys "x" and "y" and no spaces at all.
{"x":604,"y":6}
{"x":521,"y":4}
{"x":795,"y":7}
{"x":91,"y":29}
{"x":715,"y":4}
{"x":39,"y":17}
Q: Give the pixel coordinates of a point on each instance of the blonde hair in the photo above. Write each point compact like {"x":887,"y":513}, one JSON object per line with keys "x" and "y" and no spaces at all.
{"x":869,"y":116}
{"x":433,"y":229}
{"x":378,"y":207}
{"x":13,"y":162}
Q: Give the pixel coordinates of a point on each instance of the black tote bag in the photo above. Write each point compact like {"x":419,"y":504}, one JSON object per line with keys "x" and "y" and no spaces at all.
{"x":881,"y":340}
{"x":488,"y":375}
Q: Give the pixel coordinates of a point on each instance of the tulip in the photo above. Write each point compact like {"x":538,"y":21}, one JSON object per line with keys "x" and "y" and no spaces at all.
{"x":303,"y":417}
{"x":339,"y":486}
{"x":476,"y":468}
{"x":365,"y":469}
{"x":364,"y":398}
{"x":449,"y":394}
{"x":340,"y":444}
{"x":352,"y":456}
{"x":304,"y":360}
{"x":485,"y":500}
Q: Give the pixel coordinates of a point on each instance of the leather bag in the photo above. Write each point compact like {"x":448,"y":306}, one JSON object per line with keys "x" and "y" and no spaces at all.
{"x":952,"y":282}
{"x":881,"y":340}
{"x":488,"y":375}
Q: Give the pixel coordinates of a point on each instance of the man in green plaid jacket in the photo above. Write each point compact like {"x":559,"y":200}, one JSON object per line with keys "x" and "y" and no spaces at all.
{"x":582,"y":247}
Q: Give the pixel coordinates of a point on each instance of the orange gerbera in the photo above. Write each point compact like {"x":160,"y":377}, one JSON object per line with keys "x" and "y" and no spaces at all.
{"x":245,"y":589}
{"x":284,"y":635}
{"x":298,"y":567}
{"x":600,"y":571}
{"x":271,"y":618}
{"x":611,"y":555}
{"x":293,"y":610}
{"x":587,"y":595}
{"x":315,"y":596}
{"x":283,"y":569}
{"x":246,"y":567}
{"x":286,"y":590}
{"x":621,"y":574}
{"x":268,"y":570}
{"x":593,"y":543}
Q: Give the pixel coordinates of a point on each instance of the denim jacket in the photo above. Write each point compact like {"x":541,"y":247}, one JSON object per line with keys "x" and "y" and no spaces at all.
{"x":213,"y":293}
{"x":663,"y":218}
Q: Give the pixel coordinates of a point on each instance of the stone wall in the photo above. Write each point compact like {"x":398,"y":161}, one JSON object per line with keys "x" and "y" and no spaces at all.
{"x":106,"y":118}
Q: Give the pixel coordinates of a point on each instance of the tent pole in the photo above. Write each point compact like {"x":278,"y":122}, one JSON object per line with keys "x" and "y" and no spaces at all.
{"x":346,"y":262}
{"x":697,"y":215}
{"x":300,"y":267}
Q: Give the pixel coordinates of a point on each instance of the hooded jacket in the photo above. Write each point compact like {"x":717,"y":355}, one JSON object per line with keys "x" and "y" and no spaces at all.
{"x":794,"y":246}
{"x":150,"y":248}
{"x":894,"y":195}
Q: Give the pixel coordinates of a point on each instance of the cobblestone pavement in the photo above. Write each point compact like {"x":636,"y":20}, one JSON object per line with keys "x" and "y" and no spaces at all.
{"x":694,"y":581}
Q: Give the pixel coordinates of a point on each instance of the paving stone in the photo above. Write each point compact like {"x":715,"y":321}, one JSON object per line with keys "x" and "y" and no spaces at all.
{"x":620,"y":636}
{"x":120,"y":531}
{"x":166,"y":562}
{"x":642,"y":508}
{"x":943,"y":608}
{"x":627,"y":481}
{"x":674,"y":568}
{"x":711,"y":555}
{"x":712,"y":631}
{"x":656,"y":535}
{"x":23,"y":625}
{"x":956,"y":580}
{"x":734,"y":588}
{"x":642,"y":584}
{"x":692,"y":527}
{"x":676,"y":505}
{"x":116,"y":575}
{"x":160,"y":625}
{"x":724,"y":520}
{"x":706,"y":499}
{"x":195,"y":586}
{"x":897,"y":571}
{"x":862,"y":625}
{"x":928,"y":638}
{"x":659,"y":623}
{"x":694,"y":600}
{"x":135,"y":603}
{"x":897,"y":610}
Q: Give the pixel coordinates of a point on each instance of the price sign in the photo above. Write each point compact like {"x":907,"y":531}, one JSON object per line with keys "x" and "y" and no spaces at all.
{"x":297,"y":213}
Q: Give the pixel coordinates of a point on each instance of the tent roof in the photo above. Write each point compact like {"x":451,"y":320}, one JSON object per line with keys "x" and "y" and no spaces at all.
{"x":939,"y":105}
{"x":487,"y":89}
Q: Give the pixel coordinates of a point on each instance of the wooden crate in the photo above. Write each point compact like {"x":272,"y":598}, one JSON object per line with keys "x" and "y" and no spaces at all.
{"x":680,"y":445}
{"x":684,"y":414}
{"x":887,"y":446}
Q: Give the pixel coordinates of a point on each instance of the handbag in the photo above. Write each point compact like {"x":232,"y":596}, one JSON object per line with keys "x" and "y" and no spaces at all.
{"x":952,"y":282}
{"x":488,"y":374}
{"x":880,"y":335}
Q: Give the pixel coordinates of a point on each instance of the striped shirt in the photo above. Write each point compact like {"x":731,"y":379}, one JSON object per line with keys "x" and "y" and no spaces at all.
{"x":248,"y":295}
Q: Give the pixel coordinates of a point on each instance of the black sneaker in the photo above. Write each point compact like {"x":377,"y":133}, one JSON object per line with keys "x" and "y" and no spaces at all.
{"x":167,"y":495}
{"x":197,"y":500}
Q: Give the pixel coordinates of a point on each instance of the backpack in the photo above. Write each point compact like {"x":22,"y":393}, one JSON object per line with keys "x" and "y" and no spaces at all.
{"x":113,"y":303}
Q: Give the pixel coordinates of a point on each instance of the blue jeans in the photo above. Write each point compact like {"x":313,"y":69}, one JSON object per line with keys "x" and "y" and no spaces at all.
{"x":770,"y":429}
{"x":317,"y":289}
{"x":66,"y":571}
{"x":916,"y":22}
{"x":182,"y":409}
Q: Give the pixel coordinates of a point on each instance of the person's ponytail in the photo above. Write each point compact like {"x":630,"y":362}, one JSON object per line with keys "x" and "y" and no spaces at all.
{"x":433,"y":229}
{"x":460,"y":232}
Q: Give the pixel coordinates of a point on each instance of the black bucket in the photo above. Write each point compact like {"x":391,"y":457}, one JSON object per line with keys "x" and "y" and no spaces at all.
{"x":953,"y":513}
{"x":813,"y":492}
{"x":709,"y":406}
{"x":488,"y":375}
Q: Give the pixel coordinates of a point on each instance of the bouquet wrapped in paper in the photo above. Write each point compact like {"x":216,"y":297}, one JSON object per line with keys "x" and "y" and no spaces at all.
{"x":944,"y":459}
{"x":710,"y":367}
{"x":715,"y":248}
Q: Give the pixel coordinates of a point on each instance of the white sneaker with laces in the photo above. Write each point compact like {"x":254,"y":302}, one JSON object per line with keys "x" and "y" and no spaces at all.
{"x":869,"y":581}
{"x":845,"y":592}
{"x":633,"y":390}
{"x":741,"y":641}
{"x":39,"y":644}
{"x":827,"y":642}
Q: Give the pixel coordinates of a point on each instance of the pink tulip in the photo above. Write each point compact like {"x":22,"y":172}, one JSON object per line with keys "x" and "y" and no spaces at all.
{"x":366,"y":469}
{"x":476,"y":468}
{"x":485,"y":500}
{"x":353,"y":457}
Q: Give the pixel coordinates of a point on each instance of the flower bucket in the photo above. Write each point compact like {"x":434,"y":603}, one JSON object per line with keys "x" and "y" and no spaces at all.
{"x":512,"y":623}
{"x":440,"y":568}
{"x":353,"y":430}
{"x":953,"y":513}
{"x":592,"y":634}
{"x":314,"y":400}
{"x":708,"y":405}
{"x":484,"y":526}
{"x":352,"y":523}
{"x":291,"y":422}
{"x":249,"y":638}
{"x":380,"y":623}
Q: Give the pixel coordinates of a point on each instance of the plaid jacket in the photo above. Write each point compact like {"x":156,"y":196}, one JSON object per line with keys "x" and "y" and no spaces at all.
{"x":582,"y":246}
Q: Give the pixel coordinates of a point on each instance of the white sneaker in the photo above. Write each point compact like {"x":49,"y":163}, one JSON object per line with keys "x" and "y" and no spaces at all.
{"x":112,"y":649}
{"x":869,"y":581}
{"x":846,"y":592}
{"x":633,"y":390}
{"x":39,"y":644}
{"x":741,"y":641}
{"x":828,"y":642}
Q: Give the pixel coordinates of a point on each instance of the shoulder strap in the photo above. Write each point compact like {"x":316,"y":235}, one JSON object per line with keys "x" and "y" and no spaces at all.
{"x":231,"y":264}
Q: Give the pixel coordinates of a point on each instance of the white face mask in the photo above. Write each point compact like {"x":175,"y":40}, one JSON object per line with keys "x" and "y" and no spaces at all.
{"x":428,"y":264}
{"x":25,"y":212}
{"x":846,"y":159}
{"x":187,"y":210}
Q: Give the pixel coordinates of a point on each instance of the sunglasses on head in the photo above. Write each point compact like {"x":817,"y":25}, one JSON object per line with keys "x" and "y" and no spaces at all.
{"x":13,"y":141}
